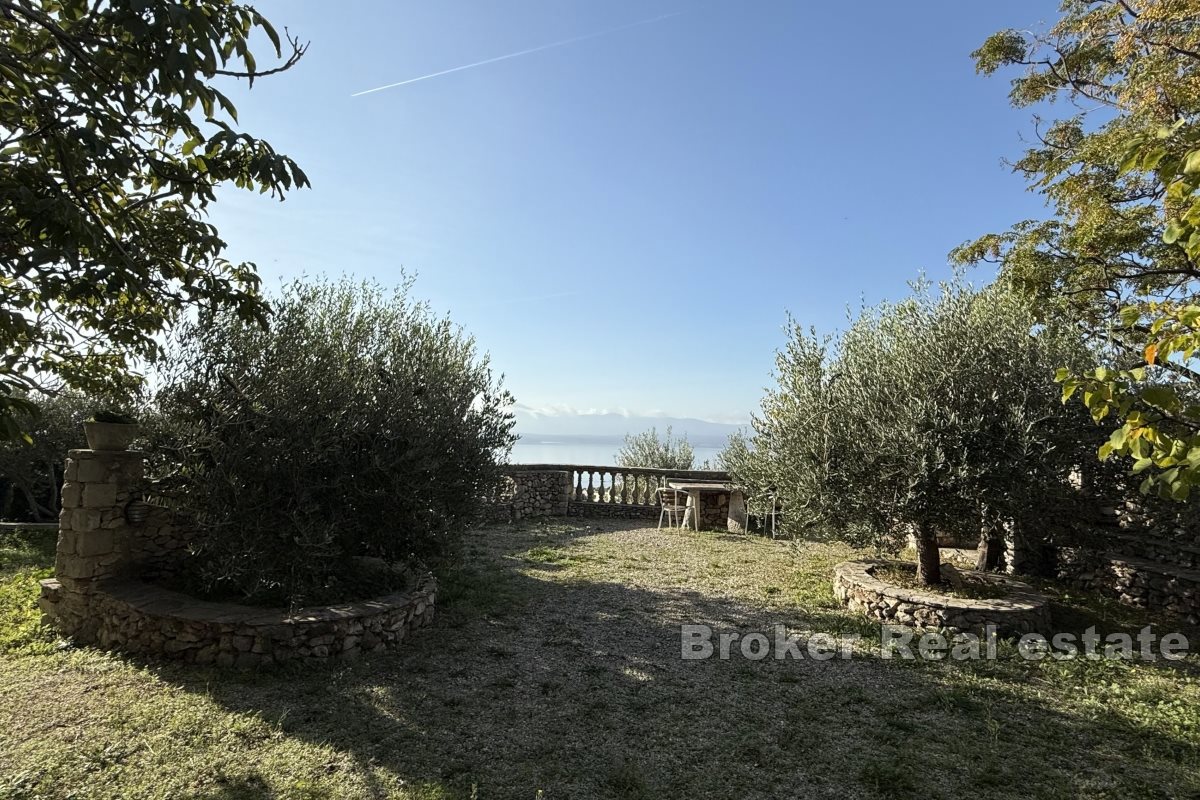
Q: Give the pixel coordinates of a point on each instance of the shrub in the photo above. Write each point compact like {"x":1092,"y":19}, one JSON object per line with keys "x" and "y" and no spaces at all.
{"x":31,"y":474}
{"x":937,"y":414}
{"x":356,"y":424}
{"x":648,"y":450}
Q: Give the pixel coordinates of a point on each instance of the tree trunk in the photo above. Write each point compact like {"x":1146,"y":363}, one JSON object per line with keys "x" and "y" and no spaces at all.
{"x":36,"y":509}
{"x":54,"y":507}
{"x":929,"y":558}
{"x":991,"y":542}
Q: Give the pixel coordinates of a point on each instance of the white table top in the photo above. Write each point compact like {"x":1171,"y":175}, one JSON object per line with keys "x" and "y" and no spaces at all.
{"x":703,"y":486}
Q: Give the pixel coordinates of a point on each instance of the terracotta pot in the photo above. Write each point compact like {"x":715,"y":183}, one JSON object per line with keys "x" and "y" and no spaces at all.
{"x":109,"y":435}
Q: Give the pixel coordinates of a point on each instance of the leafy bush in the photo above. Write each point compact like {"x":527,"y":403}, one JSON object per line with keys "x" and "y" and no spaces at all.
{"x":357,"y":424}
{"x":31,"y":474}
{"x":936,"y":414}
{"x":648,"y":450}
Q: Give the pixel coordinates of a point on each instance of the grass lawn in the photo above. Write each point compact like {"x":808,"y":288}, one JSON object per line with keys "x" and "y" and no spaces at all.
{"x":554,"y":667}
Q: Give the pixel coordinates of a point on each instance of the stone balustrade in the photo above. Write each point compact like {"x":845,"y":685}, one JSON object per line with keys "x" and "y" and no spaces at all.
{"x":599,"y":491}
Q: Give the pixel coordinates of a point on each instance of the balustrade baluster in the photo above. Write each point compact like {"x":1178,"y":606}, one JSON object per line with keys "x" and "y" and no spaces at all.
{"x":591,"y":498}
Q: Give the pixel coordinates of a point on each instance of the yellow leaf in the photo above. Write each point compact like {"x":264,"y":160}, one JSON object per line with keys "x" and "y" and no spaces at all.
{"x":1151,"y":352}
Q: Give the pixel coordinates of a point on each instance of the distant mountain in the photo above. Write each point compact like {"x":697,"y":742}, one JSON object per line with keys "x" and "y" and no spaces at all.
{"x":534,"y":424}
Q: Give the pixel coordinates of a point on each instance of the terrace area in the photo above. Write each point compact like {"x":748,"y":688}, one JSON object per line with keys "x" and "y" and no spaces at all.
{"x":554,"y":665}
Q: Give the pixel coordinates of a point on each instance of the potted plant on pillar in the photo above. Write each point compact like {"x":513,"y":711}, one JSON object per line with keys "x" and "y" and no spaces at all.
{"x":110,"y":430}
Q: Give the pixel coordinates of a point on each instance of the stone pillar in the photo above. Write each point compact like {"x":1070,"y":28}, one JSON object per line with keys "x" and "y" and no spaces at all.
{"x":1028,"y":553}
{"x":94,"y":539}
{"x":562,"y":494}
{"x":541,"y":493}
{"x":738,"y":518}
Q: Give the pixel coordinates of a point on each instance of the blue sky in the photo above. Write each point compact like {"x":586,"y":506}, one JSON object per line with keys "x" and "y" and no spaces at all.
{"x":682,"y":184}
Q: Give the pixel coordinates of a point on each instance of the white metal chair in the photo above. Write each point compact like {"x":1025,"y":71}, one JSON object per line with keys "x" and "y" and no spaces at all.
{"x":674,"y":505}
{"x":770,"y":507}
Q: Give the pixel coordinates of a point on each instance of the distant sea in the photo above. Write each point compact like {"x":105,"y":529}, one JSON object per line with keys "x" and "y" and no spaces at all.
{"x":592,"y":451}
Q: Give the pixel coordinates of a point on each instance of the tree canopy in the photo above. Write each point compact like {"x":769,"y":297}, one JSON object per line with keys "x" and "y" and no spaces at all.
{"x":935,"y":414}
{"x":113,"y":140}
{"x":357,"y":423}
{"x":648,"y":449}
{"x":1120,"y":167}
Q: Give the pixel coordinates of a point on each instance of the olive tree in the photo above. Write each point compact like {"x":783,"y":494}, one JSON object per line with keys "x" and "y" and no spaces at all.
{"x":648,"y":449}
{"x":31,"y":473}
{"x":935,"y":414}
{"x":357,"y":424}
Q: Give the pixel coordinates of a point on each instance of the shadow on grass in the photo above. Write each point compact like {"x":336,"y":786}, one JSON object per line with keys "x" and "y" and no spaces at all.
{"x":577,"y":688}
{"x":20,"y":549}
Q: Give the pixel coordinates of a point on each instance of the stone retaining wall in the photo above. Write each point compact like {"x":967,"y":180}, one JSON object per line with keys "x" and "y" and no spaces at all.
{"x":1139,"y":582}
{"x":99,"y":594}
{"x":613,"y":511}
{"x":1161,"y":551}
{"x":143,"y":618}
{"x":1021,"y":611}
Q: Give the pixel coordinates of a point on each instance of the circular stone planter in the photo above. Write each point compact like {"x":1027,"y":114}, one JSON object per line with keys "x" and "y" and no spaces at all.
{"x":137,"y":617}
{"x":1020,"y":611}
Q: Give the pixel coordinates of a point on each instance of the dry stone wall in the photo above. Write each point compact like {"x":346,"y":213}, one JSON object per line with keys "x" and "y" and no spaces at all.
{"x":1144,"y":553}
{"x":138,"y":617}
{"x":1020,"y":611}
{"x":540,"y":493}
{"x":612,"y":511}
{"x":1142,"y":582}
{"x":100,"y":594}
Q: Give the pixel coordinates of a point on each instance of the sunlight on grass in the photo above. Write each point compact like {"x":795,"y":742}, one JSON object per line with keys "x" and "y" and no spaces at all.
{"x":554,"y":664}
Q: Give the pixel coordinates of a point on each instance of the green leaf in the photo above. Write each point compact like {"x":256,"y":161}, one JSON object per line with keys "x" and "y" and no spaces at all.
{"x":1191,"y":162}
{"x":1152,"y":158}
{"x":1160,"y":397}
{"x":1117,"y":439}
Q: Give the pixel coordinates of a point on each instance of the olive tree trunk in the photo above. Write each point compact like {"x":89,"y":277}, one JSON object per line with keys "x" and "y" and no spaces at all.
{"x":929,"y":559}
{"x":991,"y":542}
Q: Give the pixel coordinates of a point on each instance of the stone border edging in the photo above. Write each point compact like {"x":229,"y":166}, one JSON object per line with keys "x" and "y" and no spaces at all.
{"x":143,"y":618}
{"x":1023,"y":610}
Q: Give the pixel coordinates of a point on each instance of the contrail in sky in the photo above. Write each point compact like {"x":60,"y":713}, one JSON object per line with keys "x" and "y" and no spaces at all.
{"x":537,"y":49}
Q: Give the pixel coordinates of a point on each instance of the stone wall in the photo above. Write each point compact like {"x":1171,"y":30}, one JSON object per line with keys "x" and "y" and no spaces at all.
{"x":1152,"y":583}
{"x":714,"y":510}
{"x":138,"y":617}
{"x":1020,"y":611}
{"x":612,"y":511}
{"x":94,"y":539}
{"x":1143,"y":552}
{"x":100,"y":594}
{"x":540,"y":493}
